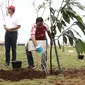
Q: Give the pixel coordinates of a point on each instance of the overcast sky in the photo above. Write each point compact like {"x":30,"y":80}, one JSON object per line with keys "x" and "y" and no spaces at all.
{"x":27,"y":14}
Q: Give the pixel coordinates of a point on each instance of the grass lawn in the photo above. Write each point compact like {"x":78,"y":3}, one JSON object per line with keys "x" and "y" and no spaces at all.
{"x":67,"y":60}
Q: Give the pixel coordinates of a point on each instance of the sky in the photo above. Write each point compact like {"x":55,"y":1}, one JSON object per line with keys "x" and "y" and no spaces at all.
{"x":27,"y":14}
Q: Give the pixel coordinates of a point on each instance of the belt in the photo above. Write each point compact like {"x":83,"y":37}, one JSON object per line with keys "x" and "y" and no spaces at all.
{"x":11,"y":31}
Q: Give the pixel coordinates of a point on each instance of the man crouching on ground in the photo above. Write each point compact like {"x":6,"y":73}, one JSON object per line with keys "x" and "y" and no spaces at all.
{"x":38,"y":32}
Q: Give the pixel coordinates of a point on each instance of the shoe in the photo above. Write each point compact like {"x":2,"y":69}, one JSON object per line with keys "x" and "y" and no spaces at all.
{"x":44,"y":71}
{"x":32,"y":66}
{"x":6,"y":64}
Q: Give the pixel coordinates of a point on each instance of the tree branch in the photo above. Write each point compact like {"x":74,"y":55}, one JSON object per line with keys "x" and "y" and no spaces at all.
{"x":60,"y":8}
{"x":64,"y":31}
{"x":59,"y":11}
{"x":44,"y":11}
{"x":35,"y":8}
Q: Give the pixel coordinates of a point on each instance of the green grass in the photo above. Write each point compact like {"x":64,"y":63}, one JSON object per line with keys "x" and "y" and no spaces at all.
{"x":67,"y":60}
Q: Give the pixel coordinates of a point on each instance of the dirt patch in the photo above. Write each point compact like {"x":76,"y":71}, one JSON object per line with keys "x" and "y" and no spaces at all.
{"x":19,"y":74}
{"x":74,"y":73}
{"x":70,"y":77}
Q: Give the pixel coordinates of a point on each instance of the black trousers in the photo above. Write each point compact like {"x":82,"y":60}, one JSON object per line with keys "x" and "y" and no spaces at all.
{"x":10,"y":42}
{"x":29,"y":56}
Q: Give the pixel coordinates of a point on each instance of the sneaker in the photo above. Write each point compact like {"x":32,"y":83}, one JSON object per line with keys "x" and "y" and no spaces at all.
{"x":32,"y":67}
{"x":44,"y":71}
{"x":6,"y":64}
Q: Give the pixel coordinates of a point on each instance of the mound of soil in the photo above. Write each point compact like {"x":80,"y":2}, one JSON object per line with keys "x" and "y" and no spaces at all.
{"x":72,"y":73}
{"x":19,"y":74}
{"x":26,"y":73}
{"x":70,"y":77}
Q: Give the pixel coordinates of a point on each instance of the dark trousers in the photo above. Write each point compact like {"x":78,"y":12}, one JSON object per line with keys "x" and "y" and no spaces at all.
{"x":10,"y":42}
{"x":29,"y":56}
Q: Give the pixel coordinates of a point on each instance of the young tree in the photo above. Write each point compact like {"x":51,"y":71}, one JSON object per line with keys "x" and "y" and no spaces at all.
{"x":65,"y":15}
{"x":60,"y":19}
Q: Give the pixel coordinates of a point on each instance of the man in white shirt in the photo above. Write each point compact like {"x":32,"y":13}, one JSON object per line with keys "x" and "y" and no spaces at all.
{"x":11,"y":26}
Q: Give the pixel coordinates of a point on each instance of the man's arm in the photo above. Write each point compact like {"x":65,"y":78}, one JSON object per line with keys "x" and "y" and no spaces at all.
{"x":34,"y":40}
{"x":10,"y":29}
{"x":6,"y":28}
{"x":15,"y":28}
{"x":33,"y":30}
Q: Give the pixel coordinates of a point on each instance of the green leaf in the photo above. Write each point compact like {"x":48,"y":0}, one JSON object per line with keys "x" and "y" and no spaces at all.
{"x":52,"y":10}
{"x":59,"y":24}
{"x":79,"y":19}
{"x":76,"y":32}
{"x":81,"y":6}
{"x":81,"y":46}
{"x":70,"y":13}
{"x":59,"y":44}
{"x":70,"y":33}
{"x":40,"y":6}
{"x":65,"y":39}
{"x":71,"y":40}
{"x":66,"y":16}
{"x":81,"y":26}
{"x":78,"y":47}
{"x":53,"y":18}
{"x":63,"y":23}
{"x":84,"y":47}
{"x":54,"y":30}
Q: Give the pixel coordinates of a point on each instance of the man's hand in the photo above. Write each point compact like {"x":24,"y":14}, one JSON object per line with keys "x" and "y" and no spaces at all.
{"x":7,"y":29}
